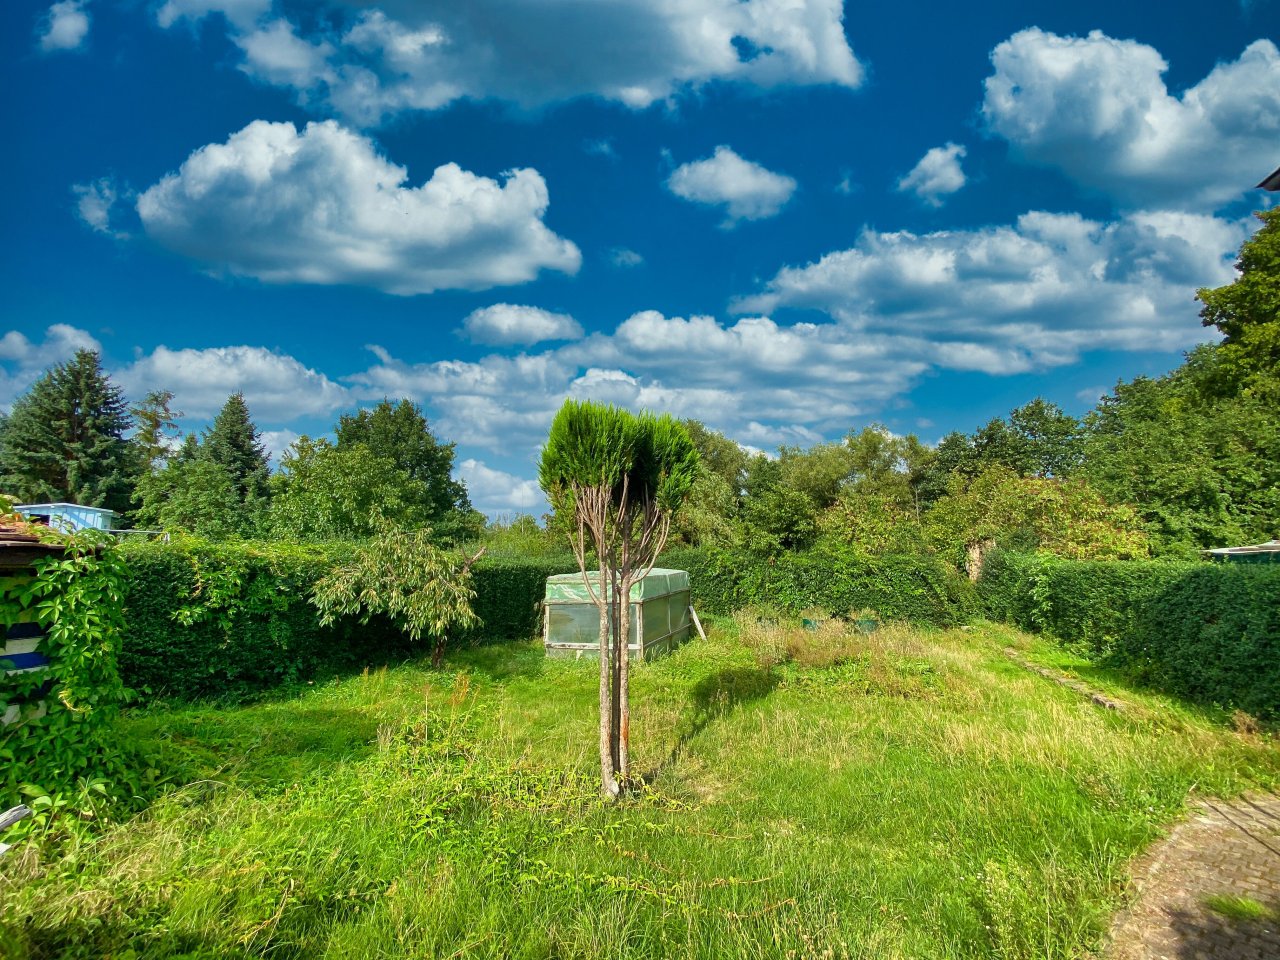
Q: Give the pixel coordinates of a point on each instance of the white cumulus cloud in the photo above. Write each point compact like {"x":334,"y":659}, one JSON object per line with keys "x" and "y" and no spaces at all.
{"x":1013,"y":298}
{"x":65,"y":26}
{"x":494,"y":491}
{"x":508,"y":323}
{"x":937,"y":175}
{"x":1098,"y":109}
{"x":276,"y":386}
{"x":746,"y":190}
{"x":240,"y":13}
{"x":369,"y":61}
{"x":321,"y":206}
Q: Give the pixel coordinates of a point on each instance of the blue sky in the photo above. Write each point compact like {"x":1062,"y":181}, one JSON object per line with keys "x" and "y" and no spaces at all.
{"x":786,"y":218}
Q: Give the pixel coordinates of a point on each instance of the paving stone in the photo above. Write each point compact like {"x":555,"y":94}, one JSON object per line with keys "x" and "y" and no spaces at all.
{"x":1225,"y":849}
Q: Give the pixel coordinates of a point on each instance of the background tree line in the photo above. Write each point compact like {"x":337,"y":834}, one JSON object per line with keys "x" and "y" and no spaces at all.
{"x":73,"y":437}
{"x":1161,"y":466}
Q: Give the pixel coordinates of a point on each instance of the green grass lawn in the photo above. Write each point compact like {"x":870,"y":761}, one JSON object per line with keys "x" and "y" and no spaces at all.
{"x":811,"y":795}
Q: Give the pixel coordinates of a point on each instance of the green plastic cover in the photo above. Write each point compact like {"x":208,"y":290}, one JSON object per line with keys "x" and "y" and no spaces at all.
{"x":569,"y":588}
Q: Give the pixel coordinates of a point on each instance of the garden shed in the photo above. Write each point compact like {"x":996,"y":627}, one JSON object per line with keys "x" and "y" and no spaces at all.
{"x":660,"y":615}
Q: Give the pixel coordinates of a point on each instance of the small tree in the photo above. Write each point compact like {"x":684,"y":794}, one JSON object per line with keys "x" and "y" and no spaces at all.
{"x":403,"y":575}
{"x":619,"y":478}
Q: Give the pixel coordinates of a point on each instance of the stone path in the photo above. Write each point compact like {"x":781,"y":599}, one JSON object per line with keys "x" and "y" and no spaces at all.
{"x":1225,"y":850}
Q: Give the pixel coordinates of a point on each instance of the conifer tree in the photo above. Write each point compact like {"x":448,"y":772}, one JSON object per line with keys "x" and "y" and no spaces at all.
{"x":157,"y":427}
{"x":233,"y":443}
{"x":64,"y":439}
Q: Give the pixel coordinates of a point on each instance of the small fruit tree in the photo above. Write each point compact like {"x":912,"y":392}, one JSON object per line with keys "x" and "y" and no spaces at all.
{"x":402,"y":574}
{"x":618,"y":478}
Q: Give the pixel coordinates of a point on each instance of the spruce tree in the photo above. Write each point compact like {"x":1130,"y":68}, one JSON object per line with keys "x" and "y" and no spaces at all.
{"x":157,"y":428}
{"x":64,"y":439}
{"x":233,"y":443}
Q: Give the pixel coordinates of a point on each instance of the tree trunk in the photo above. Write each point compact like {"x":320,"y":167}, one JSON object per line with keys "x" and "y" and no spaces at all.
{"x":624,"y":671}
{"x":608,"y":782}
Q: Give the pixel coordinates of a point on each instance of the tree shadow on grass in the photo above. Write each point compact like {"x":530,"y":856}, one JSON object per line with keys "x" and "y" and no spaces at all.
{"x":712,"y":698}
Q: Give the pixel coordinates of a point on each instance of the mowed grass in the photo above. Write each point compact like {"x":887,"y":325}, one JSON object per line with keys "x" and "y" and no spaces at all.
{"x":810,"y":794}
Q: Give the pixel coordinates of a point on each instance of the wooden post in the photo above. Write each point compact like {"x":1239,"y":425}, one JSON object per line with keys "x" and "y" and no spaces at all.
{"x":693,"y":614}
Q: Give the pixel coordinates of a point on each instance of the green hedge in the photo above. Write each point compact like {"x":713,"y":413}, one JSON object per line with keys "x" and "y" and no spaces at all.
{"x":227,"y":619}
{"x":230,"y":619}
{"x":911,"y":587}
{"x":509,"y":592}
{"x":1208,"y":632}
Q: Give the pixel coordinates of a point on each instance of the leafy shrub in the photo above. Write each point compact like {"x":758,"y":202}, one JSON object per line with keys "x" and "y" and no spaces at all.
{"x":76,"y":598}
{"x":1209,"y":632}
{"x":509,"y":592}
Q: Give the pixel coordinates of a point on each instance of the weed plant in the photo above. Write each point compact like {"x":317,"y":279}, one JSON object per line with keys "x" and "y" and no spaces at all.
{"x":808,"y":794}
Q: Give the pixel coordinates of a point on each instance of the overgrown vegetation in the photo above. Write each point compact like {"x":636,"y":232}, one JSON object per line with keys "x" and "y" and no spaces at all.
{"x":61,"y":752}
{"x":900,"y":794}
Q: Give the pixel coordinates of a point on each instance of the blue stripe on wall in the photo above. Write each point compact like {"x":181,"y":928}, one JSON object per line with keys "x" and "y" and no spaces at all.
{"x":24,"y":661}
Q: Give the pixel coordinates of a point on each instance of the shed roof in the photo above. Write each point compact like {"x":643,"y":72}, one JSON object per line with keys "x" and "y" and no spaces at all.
{"x":49,"y":506}
{"x":1271,"y":546}
{"x":19,"y":544}
{"x":1272,"y":182}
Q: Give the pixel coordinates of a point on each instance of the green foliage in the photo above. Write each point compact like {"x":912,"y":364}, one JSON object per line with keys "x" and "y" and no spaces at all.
{"x":323,"y":493}
{"x":519,"y":535}
{"x":194,"y":496}
{"x":719,"y":455}
{"x":509,"y":592}
{"x":157,"y":427}
{"x":875,"y":523}
{"x":818,"y":473}
{"x":1201,"y":469}
{"x":77,"y":598}
{"x":64,"y":438}
{"x":1247,"y":310}
{"x":404,"y":576}
{"x":229,"y":619}
{"x":1209,"y":632}
{"x":233,"y":443}
{"x":401,"y":434}
{"x":707,"y":518}
{"x":1065,"y":517}
{"x":841,"y":581}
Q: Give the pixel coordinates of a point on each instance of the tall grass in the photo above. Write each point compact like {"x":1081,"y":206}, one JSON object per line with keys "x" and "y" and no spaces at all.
{"x":809,"y":793}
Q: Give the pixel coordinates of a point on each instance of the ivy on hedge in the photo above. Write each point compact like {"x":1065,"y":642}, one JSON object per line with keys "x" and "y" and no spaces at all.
{"x":230,"y":619}
{"x":1208,"y":632}
{"x":76,"y":598}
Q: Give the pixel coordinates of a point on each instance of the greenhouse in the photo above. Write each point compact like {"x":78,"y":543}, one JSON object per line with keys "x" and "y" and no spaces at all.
{"x":660,"y":615}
